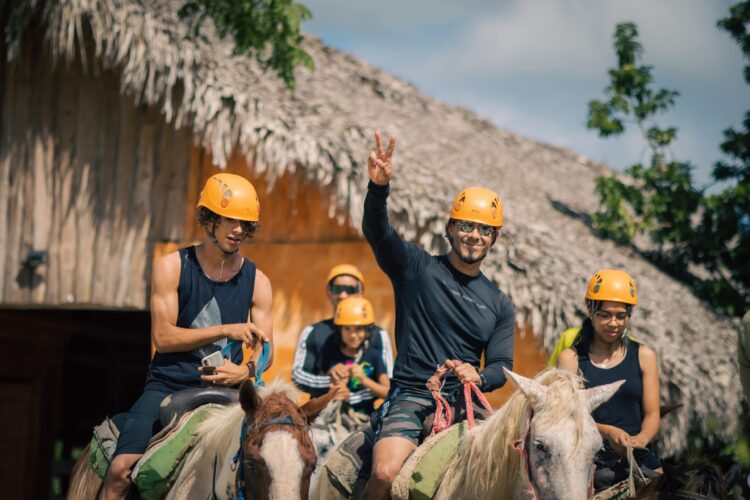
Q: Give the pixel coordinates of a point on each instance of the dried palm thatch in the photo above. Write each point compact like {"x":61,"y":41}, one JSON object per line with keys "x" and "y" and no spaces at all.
{"x":324,"y":130}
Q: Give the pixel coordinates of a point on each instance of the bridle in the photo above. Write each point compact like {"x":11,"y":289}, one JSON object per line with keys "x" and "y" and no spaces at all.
{"x":240,"y":455}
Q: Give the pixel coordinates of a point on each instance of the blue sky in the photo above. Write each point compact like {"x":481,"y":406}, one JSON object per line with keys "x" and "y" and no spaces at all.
{"x":532,"y":66}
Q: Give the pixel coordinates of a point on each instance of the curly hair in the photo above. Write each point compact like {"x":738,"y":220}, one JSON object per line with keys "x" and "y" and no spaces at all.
{"x":208,"y":219}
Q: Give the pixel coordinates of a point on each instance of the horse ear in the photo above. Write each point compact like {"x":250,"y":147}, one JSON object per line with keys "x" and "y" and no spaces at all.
{"x":312,"y":408}
{"x":597,"y":395}
{"x":532,"y":389}
{"x":733,"y":476}
{"x":249,"y":399}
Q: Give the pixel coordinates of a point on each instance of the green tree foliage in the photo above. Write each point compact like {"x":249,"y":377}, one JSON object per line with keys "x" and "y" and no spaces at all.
{"x":683,"y":224}
{"x":658,"y":198}
{"x":267,"y":29}
{"x":723,"y":239}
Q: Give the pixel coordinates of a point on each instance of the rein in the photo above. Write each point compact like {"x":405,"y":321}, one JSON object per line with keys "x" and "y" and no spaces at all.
{"x":286,"y":420}
{"x":521,"y":446}
{"x":443,"y":411}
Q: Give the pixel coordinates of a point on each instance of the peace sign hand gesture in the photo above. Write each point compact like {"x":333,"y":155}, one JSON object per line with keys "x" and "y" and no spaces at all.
{"x":379,"y":163}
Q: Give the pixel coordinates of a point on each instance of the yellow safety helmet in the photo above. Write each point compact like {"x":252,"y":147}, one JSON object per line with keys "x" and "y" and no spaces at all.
{"x":477,"y":204}
{"x":232,"y":196}
{"x":354,"y":311}
{"x":345,"y":269}
{"x":613,"y":285}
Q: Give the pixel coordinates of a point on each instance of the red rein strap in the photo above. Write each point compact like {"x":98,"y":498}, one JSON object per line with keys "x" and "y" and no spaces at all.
{"x":519,"y":446}
{"x":435,"y":384}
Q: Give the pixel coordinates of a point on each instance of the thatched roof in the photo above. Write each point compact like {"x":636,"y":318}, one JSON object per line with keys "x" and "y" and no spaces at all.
{"x":546,"y":251}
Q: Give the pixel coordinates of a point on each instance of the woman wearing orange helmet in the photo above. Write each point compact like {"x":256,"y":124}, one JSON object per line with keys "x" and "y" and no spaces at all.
{"x":604,"y":353}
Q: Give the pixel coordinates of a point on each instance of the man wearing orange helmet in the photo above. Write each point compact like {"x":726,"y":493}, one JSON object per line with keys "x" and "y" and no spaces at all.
{"x":344,"y":280}
{"x":446,"y":309}
{"x":204,"y":298}
{"x":604,"y":353}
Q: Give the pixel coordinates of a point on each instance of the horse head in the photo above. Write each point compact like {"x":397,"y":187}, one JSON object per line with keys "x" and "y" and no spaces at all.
{"x":278,"y":452}
{"x":558,"y":438}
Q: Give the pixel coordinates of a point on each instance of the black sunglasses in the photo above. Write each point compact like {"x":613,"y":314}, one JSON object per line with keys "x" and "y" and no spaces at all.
{"x":349,"y":289}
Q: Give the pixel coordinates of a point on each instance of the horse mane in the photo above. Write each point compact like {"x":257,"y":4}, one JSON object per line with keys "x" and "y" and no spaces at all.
{"x":485,"y":465}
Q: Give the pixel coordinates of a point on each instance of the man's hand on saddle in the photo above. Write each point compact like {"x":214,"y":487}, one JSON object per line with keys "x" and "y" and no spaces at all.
{"x":379,"y":164}
{"x":464,"y":371}
{"x":227,"y":374}
{"x":248,"y":333}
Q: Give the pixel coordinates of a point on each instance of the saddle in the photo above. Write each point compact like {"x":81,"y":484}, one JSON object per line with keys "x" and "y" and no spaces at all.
{"x":187,"y":400}
{"x":180,"y":413}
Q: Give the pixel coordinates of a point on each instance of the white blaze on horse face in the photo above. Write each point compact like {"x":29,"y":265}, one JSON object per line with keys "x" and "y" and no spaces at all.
{"x":281,"y":453}
{"x":561,"y":468}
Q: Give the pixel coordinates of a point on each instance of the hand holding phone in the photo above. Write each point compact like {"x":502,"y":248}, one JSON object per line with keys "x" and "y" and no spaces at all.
{"x":211,"y":361}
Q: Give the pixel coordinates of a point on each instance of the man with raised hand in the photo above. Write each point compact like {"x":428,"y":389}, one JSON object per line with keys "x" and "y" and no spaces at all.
{"x":446,"y":309}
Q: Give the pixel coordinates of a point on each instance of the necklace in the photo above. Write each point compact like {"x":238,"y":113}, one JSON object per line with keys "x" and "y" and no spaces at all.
{"x":221,"y":272}
{"x":608,"y":360}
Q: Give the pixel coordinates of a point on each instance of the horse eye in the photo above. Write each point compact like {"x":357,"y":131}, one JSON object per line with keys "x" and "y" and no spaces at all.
{"x":541,"y":447}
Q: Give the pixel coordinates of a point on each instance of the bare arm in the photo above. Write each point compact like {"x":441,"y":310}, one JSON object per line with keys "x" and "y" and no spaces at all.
{"x":618,"y":438}
{"x":167,"y":336}
{"x":651,"y":417}
{"x":378,"y":387}
{"x":568,"y":360}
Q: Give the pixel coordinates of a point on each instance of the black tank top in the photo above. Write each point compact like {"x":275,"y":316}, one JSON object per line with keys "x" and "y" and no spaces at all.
{"x":203,"y":303}
{"x":624,"y":409}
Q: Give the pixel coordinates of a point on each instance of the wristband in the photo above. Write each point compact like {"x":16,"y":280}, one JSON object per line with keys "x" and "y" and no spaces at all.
{"x":482,"y":382}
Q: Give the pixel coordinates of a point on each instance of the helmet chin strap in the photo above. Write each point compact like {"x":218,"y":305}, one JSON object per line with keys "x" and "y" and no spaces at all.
{"x":216,"y":242}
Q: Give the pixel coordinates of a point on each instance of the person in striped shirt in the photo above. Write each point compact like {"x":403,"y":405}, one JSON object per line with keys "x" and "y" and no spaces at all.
{"x":343,"y":281}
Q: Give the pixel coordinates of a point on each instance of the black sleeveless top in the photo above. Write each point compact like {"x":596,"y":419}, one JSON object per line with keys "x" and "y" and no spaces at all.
{"x":625,"y":408}
{"x":204,"y":303}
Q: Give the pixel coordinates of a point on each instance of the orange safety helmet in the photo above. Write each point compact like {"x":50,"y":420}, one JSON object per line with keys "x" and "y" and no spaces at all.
{"x":232,"y":196}
{"x":477,"y":204}
{"x":346,"y":269}
{"x":354,"y":311}
{"x":613,"y":285}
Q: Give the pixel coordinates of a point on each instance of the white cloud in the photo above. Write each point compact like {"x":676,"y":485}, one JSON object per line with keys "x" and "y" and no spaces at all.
{"x":531,"y":66}
{"x":574,"y":38}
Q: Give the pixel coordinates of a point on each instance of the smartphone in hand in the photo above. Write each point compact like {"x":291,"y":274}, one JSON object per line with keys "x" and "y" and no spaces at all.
{"x":211,"y":361}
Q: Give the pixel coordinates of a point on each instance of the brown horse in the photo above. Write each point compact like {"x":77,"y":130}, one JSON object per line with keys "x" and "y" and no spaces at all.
{"x":277,"y":456}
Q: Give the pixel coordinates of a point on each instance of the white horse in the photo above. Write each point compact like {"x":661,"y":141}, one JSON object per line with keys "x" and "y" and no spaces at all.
{"x":541,"y":445}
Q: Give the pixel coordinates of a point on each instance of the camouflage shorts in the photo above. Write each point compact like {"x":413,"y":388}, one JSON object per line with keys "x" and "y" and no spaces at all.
{"x":402,"y":414}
